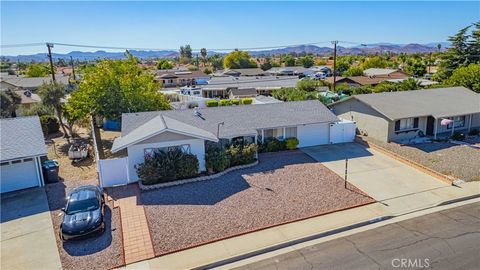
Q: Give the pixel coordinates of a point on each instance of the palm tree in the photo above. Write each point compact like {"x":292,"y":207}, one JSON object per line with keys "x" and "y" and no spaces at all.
{"x":439,"y":46}
{"x":203,"y":52}
{"x":52,"y":95}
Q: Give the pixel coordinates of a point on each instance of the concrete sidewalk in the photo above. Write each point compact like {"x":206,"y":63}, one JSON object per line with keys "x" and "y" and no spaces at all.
{"x":398,"y":188}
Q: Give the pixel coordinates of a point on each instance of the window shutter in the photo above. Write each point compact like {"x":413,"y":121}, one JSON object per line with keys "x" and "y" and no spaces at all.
{"x":397,"y":125}
{"x":415,"y":122}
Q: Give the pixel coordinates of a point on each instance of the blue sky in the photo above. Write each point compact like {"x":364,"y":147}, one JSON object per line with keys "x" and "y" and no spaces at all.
{"x":228,"y":24}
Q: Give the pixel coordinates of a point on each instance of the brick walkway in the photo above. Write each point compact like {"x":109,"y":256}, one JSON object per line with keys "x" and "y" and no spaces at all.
{"x":137,"y":243}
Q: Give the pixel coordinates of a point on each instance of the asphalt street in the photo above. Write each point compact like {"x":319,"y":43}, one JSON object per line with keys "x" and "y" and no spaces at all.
{"x":448,"y":239}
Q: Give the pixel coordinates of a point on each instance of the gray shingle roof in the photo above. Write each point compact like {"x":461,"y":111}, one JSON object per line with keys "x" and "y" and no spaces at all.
{"x":253,"y":82}
{"x":21,"y":137}
{"x":378,"y":71}
{"x":239,"y":120}
{"x":157,"y":125}
{"x":26,"y":82}
{"x":440,"y":102}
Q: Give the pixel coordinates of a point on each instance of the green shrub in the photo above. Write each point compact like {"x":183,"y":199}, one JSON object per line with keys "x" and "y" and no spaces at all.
{"x":49,"y":124}
{"x":212,"y":103}
{"x":291,"y":143}
{"x":167,"y":166}
{"x":225,"y":102}
{"x":457,"y":136}
{"x":247,"y":101}
{"x":240,"y":155}
{"x":236,"y":102}
{"x":474,"y":132}
{"x":274,"y":145}
{"x":216,"y":158}
{"x":192,"y":105}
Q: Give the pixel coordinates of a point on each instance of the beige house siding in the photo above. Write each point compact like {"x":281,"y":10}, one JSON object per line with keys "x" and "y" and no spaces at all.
{"x":368,"y":120}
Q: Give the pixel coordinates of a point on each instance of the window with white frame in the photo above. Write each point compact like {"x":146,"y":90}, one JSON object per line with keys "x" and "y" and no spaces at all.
{"x":406,"y":124}
{"x":458,"y":121}
{"x":273,"y":133}
{"x":150,"y":152}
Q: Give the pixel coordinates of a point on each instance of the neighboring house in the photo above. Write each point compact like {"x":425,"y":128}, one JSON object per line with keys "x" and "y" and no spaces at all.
{"x":371,"y":76}
{"x":384,"y":72}
{"x":237,"y":93}
{"x":299,"y":70}
{"x":31,"y":83}
{"x":237,"y":72}
{"x":218,"y":86}
{"x":189,"y":130}
{"x":181,"y":78}
{"x":265,"y":100}
{"x":28,"y":99}
{"x":400,"y":116}
{"x":22,"y":146}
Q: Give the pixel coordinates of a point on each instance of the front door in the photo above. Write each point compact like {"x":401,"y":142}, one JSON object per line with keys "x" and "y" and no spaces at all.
{"x":430,"y":126}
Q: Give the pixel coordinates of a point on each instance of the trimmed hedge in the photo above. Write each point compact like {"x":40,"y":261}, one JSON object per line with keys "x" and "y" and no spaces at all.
{"x":225,"y":102}
{"x":236,"y":102}
{"x":216,"y":159}
{"x":212,"y":103}
{"x":49,"y":124}
{"x":291,"y":143}
{"x":247,"y":101}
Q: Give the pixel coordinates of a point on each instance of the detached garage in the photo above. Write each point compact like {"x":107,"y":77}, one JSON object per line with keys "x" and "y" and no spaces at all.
{"x":21,"y":146}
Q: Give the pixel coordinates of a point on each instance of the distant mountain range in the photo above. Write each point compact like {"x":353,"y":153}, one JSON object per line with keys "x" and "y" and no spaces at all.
{"x":309,"y":49}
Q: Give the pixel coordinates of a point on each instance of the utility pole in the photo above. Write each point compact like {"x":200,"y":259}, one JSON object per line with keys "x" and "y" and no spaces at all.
{"x":346,"y":171}
{"x":73,"y":68}
{"x":334,"y":65}
{"x":49,"y":47}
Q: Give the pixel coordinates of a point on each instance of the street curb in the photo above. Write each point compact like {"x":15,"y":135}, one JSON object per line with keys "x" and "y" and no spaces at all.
{"x":325,"y":234}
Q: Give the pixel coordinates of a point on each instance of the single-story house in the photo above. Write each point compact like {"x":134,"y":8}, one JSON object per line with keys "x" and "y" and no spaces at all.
{"x":22,"y":146}
{"x":142,"y":133}
{"x":181,"y":78}
{"x":31,"y":84}
{"x":28,"y":99}
{"x":236,"y":93}
{"x":237,"y":72}
{"x":400,"y":116}
{"x":384,"y":72}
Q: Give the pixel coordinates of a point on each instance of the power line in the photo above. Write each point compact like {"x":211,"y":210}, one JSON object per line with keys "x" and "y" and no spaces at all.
{"x":169,"y":49}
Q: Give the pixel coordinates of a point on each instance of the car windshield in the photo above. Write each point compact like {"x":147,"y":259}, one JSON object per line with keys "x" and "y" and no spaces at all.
{"x":82,"y":206}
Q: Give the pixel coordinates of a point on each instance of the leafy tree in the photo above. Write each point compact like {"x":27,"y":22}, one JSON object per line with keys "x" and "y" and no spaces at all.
{"x":306,"y":61}
{"x":52,"y":95}
{"x":374,"y":62}
{"x":37,"y":70}
{"x":288,"y":60}
{"x":113,"y":87}
{"x":9,"y":101}
{"x":468,"y":77}
{"x":185,"y":54}
{"x":353,"y":71}
{"x":204,"y":53}
{"x":239,"y":59}
{"x":342,"y":64}
{"x":267,"y":64}
{"x":216,"y":61}
{"x":405,"y":85}
{"x":164,"y":64}
{"x":307,"y":85}
{"x":416,"y":68}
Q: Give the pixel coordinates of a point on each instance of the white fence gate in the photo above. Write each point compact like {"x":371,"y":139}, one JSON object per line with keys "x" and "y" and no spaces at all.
{"x":342,"y":132}
{"x":113,"y":172}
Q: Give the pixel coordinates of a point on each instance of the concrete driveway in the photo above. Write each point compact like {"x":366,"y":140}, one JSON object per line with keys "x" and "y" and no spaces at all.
{"x":28,"y":240}
{"x":389,"y":181}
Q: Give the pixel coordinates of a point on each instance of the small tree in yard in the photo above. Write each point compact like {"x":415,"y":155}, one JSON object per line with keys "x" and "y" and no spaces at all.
{"x":52,"y":95}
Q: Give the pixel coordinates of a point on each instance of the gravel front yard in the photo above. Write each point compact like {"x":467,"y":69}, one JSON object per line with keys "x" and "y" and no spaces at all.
{"x":451,"y":159}
{"x":99,"y":252}
{"x":284,"y":187}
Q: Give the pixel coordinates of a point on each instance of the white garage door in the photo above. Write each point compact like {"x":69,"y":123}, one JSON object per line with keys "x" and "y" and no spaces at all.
{"x":311,"y":135}
{"x":15,"y":176}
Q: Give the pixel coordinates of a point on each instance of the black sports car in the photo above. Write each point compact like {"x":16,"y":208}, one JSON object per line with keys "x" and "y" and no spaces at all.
{"x":84,"y":213}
